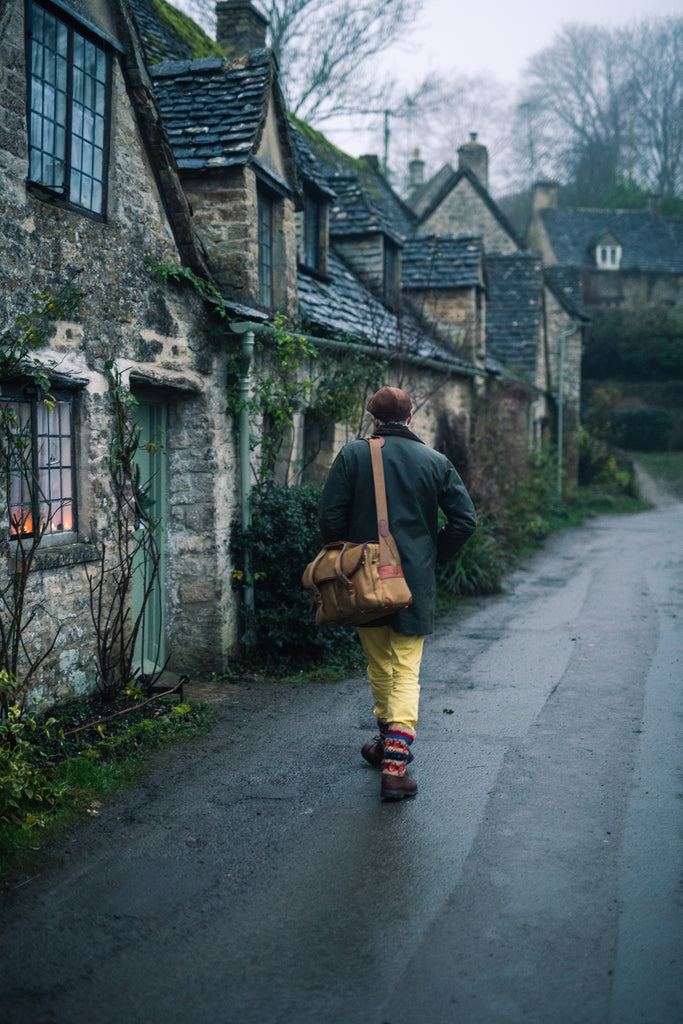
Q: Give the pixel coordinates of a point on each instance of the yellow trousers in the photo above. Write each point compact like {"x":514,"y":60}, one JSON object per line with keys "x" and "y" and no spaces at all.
{"x":394,"y":671}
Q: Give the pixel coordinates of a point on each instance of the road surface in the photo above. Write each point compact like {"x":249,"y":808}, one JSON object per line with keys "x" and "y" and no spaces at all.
{"x":256,"y":878}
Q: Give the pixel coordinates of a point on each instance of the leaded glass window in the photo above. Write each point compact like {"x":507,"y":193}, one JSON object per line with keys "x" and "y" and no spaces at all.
{"x":38,"y":442}
{"x":265,"y":248}
{"x":69,"y":89}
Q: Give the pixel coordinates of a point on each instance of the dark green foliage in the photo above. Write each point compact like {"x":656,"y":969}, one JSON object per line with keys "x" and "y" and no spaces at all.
{"x":642,"y":344}
{"x":644,"y":430}
{"x":284,"y":537}
{"x":478,"y":569}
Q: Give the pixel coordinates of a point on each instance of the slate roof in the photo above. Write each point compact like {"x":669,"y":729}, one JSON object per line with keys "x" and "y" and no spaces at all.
{"x":212,"y":111}
{"x":441,"y":261}
{"x":398,"y":212}
{"x":355,"y":210}
{"x":340,"y":307}
{"x":159,"y":41}
{"x":514,"y":309}
{"x":648,"y":241}
{"x":566,"y":284}
{"x":422,"y":197}
{"x":309,"y":164}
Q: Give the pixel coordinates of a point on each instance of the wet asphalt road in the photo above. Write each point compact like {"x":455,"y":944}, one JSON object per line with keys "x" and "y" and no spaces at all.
{"x":257,"y":878}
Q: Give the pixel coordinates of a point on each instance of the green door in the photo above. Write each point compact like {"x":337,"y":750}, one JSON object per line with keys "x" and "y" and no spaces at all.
{"x":150,"y":648}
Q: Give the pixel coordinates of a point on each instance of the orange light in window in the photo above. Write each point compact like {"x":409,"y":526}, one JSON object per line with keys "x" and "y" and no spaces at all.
{"x":21,"y":522}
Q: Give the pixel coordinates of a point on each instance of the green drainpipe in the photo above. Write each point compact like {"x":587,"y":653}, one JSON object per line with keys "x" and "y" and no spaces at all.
{"x":247,"y":351}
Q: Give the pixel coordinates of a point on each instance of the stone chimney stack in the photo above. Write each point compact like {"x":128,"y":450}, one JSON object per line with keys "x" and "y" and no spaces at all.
{"x":416,"y":170}
{"x":654,"y":204}
{"x":545,"y":196}
{"x":474,"y":157}
{"x":240,"y":28}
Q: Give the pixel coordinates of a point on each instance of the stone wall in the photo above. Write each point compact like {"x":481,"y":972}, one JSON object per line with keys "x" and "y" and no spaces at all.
{"x":224,"y":205}
{"x":457,"y":316}
{"x":463,"y":212}
{"x":157,"y":336}
{"x":565,"y":341}
{"x":631,"y":289}
{"x":365,"y":256}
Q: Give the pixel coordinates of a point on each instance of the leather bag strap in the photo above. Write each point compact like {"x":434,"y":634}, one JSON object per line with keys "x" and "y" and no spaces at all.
{"x":388,"y":552}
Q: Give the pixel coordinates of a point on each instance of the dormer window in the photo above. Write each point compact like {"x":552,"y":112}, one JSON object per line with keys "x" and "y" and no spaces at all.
{"x":608,"y":257}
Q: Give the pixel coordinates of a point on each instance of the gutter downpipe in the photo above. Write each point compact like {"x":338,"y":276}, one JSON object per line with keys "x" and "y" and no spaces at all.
{"x":560,"y":407}
{"x":246,"y":331}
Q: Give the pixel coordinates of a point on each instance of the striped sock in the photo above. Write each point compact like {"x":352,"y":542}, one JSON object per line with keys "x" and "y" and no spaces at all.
{"x":397,"y":749}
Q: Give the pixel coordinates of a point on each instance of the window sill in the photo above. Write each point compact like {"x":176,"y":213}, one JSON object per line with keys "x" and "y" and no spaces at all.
{"x":57,"y":556}
{"x":319,"y":275}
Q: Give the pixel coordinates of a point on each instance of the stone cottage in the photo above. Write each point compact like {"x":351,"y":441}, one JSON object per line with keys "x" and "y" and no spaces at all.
{"x":625,"y":258}
{"x":89,"y":188}
{"x":111,"y":165}
{"x":534,"y":322}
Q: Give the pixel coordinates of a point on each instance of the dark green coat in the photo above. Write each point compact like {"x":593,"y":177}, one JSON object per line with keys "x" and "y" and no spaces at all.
{"x":419,"y":481}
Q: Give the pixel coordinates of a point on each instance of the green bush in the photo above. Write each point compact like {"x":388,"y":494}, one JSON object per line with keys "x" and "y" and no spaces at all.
{"x":25,"y":791}
{"x":602,"y":465}
{"x":284,"y":537}
{"x":634,"y":344}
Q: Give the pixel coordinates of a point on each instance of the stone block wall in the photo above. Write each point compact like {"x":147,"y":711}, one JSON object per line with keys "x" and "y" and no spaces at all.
{"x":457,"y":316}
{"x":365,"y":256}
{"x":224,"y":208}
{"x":566,"y":343}
{"x":464,"y":213}
{"x":155,"y":334}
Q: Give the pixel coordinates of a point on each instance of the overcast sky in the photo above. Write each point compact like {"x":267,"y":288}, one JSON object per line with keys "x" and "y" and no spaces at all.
{"x":492,"y":38}
{"x":495,"y":37}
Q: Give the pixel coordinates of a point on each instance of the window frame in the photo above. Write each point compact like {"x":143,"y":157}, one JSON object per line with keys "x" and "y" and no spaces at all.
{"x":312,"y":232}
{"x":31,"y":495}
{"x":60,"y":192}
{"x":391,"y":272}
{"x":265,"y":202}
{"x":608,"y":256}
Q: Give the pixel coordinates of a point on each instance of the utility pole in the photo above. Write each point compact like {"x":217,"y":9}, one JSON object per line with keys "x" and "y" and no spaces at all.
{"x":387,"y":133}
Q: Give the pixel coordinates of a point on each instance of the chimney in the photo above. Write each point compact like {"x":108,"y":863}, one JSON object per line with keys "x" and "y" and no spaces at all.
{"x":545,"y":196}
{"x":416,"y":170}
{"x":240,"y":28}
{"x":654,"y":204}
{"x":474,"y":157}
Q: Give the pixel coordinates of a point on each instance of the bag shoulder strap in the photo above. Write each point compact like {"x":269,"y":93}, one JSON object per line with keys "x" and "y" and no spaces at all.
{"x":388,"y":552}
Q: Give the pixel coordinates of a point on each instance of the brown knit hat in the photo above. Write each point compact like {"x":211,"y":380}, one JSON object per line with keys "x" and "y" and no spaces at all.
{"x":389,"y":404}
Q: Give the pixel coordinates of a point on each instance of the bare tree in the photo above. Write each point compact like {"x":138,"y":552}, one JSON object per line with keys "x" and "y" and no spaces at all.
{"x":325,"y":49}
{"x":657,"y":55}
{"x":438,"y":116}
{"x":602,"y":105}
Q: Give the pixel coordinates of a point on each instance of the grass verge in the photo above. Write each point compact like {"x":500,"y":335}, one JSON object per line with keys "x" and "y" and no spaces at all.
{"x":63,"y":771}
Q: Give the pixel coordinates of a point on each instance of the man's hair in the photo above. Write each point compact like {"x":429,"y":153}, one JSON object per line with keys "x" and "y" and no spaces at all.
{"x":390,"y":405}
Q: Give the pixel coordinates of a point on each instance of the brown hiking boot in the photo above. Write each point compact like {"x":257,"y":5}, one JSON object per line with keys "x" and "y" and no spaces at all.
{"x":373,"y":752}
{"x":395,"y":787}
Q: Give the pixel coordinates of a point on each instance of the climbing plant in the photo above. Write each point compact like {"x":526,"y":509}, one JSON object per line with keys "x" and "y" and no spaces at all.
{"x":135,"y":551}
{"x":20,"y":659}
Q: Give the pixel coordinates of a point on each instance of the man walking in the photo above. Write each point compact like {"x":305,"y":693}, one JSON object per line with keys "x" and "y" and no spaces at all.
{"x":419,"y":482}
